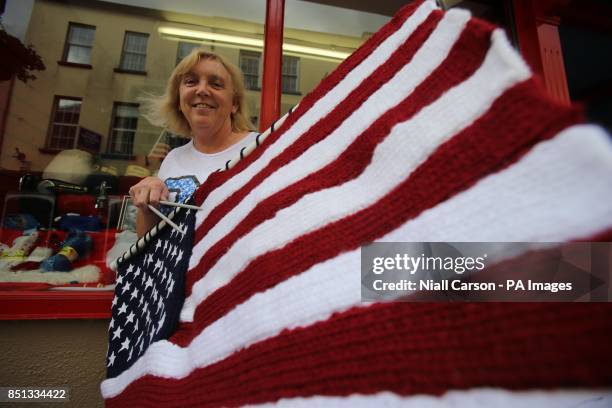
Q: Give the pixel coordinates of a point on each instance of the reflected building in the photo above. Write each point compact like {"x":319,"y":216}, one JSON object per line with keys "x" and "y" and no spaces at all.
{"x":103,"y":57}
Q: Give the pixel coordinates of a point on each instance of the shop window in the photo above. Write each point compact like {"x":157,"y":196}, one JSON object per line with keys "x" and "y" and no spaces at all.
{"x":64,"y":123}
{"x":79,"y":43}
{"x":250,"y":66}
{"x":289,"y":82}
{"x":134,"y":55}
{"x":184,"y":48}
{"x":125,"y":121}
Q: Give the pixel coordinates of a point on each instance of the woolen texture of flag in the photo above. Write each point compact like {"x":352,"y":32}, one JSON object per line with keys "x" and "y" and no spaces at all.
{"x":434,"y":130}
{"x":149,"y":294}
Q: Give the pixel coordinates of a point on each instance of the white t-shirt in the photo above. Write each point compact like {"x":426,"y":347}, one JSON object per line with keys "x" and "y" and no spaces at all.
{"x":184,"y":169}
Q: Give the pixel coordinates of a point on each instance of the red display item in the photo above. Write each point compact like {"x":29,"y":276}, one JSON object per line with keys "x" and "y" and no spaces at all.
{"x":19,"y":305}
{"x":82,"y":204}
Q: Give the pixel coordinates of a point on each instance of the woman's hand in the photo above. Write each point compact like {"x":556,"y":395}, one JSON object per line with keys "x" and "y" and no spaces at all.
{"x":149,"y":190}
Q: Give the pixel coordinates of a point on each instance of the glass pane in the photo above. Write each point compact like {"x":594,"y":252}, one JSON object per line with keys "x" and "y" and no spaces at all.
{"x":79,"y":55}
{"x":289,"y":84}
{"x":62,"y":137}
{"x":135,"y":43}
{"x":134,"y":62}
{"x":69,"y":104}
{"x":290,"y":65}
{"x":127,"y":111}
{"x":249,"y":64}
{"x":81,"y":35}
{"x":184,"y":48}
{"x":67,"y":111}
{"x":122,"y":142}
{"x":251,"y":81}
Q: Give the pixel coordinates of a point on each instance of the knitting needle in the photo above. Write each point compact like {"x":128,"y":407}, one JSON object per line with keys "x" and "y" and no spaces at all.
{"x":172,"y":204}
{"x":168,"y":220}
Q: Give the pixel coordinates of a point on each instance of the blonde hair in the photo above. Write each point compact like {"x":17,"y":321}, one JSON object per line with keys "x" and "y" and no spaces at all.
{"x":165,"y":110}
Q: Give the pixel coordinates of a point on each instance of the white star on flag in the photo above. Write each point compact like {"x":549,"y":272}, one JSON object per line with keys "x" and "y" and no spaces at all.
{"x":130,"y":317}
{"x":134,"y":293}
{"x":122,"y":308}
{"x":111,"y":359}
{"x":117,"y":333}
{"x":126,"y":287}
{"x":125,"y":344}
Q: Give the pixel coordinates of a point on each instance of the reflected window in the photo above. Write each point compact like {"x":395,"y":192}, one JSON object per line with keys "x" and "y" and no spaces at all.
{"x":290,"y":74}
{"x":250,"y":66}
{"x":125,"y":121}
{"x":79,"y":42}
{"x":64,"y":122}
{"x":134,"y":55}
{"x":321,"y":34}
{"x":184,"y":48}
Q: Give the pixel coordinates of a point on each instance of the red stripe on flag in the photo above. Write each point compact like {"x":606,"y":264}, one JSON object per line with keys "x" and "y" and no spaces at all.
{"x":217,"y":179}
{"x":405,"y":348}
{"x":466,"y":55}
{"x":519,"y":119}
{"x":603,"y":236}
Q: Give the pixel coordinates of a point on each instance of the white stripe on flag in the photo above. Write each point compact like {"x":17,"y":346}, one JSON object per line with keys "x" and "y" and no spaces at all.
{"x":412,"y":141}
{"x":474,"y":398}
{"x":430,"y":55}
{"x":556,"y":194}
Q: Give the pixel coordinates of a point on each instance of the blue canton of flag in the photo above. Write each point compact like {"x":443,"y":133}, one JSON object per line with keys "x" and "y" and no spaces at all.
{"x":149,"y":294}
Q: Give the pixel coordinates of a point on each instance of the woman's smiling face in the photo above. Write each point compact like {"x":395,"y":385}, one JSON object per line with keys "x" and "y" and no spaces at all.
{"x":206,"y":97}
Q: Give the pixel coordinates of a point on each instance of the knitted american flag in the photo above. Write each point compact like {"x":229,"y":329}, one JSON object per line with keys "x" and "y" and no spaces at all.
{"x":433,"y":130}
{"x":149,"y":294}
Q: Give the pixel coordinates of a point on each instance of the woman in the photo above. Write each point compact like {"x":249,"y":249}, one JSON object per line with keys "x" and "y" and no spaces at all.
{"x":204,"y":99}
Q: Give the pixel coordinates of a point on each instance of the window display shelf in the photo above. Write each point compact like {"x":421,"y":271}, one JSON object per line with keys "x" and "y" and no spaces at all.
{"x":55,"y":304}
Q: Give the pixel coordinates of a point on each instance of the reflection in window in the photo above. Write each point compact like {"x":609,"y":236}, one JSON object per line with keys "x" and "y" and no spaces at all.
{"x":125,"y":121}
{"x":184,"y":48}
{"x":249,"y":64}
{"x":79,"y":43}
{"x":134,"y":53}
{"x":64,"y":123}
{"x":290,"y":74}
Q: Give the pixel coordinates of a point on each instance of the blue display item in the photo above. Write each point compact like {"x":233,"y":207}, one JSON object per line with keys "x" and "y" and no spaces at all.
{"x":80,"y":222}
{"x":76,"y":245}
{"x":20,"y":222}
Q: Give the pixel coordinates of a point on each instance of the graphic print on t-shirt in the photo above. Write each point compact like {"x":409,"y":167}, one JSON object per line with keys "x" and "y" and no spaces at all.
{"x":182,"y":187}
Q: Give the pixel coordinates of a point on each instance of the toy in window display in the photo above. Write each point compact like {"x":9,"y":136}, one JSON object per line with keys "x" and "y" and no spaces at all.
{"x":22,"y":246}
{"x":27,"y":273}
{"x":76,"y":245}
